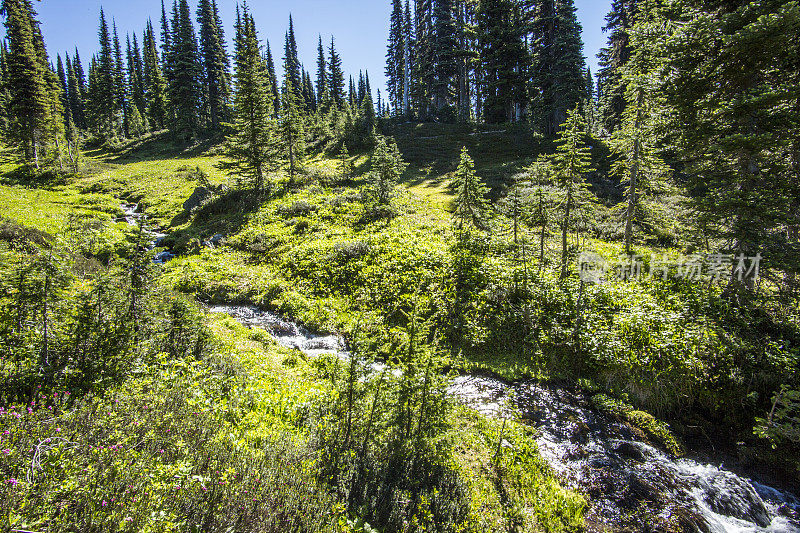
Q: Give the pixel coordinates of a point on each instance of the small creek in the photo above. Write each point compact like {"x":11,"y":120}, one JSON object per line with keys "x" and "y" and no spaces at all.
{"x":589,"y":450}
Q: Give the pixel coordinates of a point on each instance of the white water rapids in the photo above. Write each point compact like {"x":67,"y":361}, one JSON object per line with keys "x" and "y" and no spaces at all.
{"x":589,"y":451}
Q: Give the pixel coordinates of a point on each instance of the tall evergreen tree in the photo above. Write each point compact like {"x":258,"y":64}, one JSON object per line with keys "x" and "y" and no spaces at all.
{"x":107,"y":113}
{"x":336,"y":82}
{"x":250,"y":151}
{"x":733,"y":105}
{"x":272,"y":80}
{"x":62,"y":80}
{"x":613,"y":58}
{"x":558,"y":63}
{"x":154,"y":82}
{"x":120,"y":83}
{"x":35,"y":112}
{"x":291,"y":60}
{"x":571,"y":163}
{"x":185,"y":89}
{"x":323,"y":96}
{"x":292,"y":134}
{"x":216,"y":65}
{"x":136,"y":77}
{"x":76,"y":96}
{"x":504,"y":61}
{"x":395,"y":56}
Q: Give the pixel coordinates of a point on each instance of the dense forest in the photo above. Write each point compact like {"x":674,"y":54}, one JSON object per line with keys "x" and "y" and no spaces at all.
{"x":509,"y":294}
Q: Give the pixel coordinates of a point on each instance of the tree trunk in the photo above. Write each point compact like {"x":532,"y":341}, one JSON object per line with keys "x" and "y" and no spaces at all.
{"x":565,"y":233}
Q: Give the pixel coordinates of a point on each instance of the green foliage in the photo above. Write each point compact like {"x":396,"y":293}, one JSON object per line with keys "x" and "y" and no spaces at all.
{"x":471,"y":207}
{"x":387,"y":168}
{"x":250,"y":150}
{"x":571,"y":163}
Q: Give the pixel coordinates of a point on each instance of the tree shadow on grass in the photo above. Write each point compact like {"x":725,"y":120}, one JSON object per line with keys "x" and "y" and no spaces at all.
{"x":225,"y":213}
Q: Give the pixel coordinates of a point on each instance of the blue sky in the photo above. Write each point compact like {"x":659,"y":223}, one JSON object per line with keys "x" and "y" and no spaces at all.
{"x":360,"y":26}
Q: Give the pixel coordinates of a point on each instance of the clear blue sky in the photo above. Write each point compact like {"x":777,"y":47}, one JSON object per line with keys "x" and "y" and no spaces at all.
{"x":360,"y":27}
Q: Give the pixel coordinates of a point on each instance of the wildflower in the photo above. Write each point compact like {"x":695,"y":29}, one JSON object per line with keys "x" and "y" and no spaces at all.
{"x":105,"y":504}
{"x":6,"y":451}
{"x":13,"y":482}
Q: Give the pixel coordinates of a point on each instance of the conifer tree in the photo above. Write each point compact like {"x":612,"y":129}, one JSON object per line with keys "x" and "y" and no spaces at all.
{"x":571,"y":163}
{"x":323,"y":95}
{"x":105,"y":97}
{"x":387,"y":168}
{"x":154,"y":83}
{"x":27,"y":84}
{"x":639,"y":165}
{"x":292,"y":134}
{"x":272,"y":78}
{"x":75,"y":98}
{"x":80,"y":74}
{"x":166,"y":38}
{"x":62,"y":80}
{"x":732,"y":108}
{"x":120,"y":83}
{"x":395,"y":56}
{"x":471,"y":207}
{"x":504,"y":61}
{"x":336,"y":82}
{"x":558,"y":64}
{"x":345,"y":164}
{"x":444,"y":45}
{"x":138,"y":90}
{"x":184,"y":86}
{"x":216,"y":64}
{"x":250,"y":151}
{"x":613,"y":58}
{"x":291,"y":60}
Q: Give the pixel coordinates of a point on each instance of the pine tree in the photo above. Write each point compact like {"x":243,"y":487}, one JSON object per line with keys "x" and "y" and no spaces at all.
{"x":184,"y":88}
{"x":75,"y":96}
{"x":62,"y":80}
{"x":571,"y":163}
{"x":292,"y":134}
{"x":613,"y":58}
{"x":291,"y":61}
{"x":136,"y":77}
{"x":120,"y":84}
{"x":166,"y":37}
{"x":336,"y":82}
{"x":558,"y":64}
{"x":471,"y":207}
{"x":444,"y":46}
{"x":216,"y":64}
{"x":323,"y":96}
{"x":80,"y":74}
{"x":387,"y":168}
{"x":154,"y":82}
{"x":504,"y":61}
{"x":27,"y":85}
{"x":105,"y":97}
{"x":250,"y":151}
{"x":395,"y":56}
{"x":639,"y":165}
{"x":271,"y":77}
{"x":733,"y":107}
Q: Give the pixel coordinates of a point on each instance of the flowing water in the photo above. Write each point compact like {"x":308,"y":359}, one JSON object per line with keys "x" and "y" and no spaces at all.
{"x":631,"y":484}
{"x":594,"y":453}
{"x":133,"y":216}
